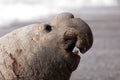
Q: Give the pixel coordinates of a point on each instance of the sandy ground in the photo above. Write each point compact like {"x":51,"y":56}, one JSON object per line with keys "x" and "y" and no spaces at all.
{"x":102,"y":61}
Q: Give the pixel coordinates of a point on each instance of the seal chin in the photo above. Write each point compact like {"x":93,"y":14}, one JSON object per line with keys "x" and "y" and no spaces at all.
{"x":73,"y":60}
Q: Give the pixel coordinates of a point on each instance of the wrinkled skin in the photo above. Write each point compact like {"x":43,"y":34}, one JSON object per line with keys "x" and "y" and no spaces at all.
{"x":44,"y":51}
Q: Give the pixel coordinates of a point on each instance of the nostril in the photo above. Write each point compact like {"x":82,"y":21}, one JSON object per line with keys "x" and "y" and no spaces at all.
{"x":83,"y":50}
{"x":47,"y":27}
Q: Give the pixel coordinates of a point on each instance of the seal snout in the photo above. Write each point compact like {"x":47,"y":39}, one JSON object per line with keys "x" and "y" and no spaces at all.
{"x":78,"y":33}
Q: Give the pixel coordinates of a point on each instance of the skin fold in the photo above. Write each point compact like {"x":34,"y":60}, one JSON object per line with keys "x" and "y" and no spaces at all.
{"x":44,"y":51}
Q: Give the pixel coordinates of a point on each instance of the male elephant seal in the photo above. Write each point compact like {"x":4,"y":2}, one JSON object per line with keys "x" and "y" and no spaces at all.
{"x":44,"y":51}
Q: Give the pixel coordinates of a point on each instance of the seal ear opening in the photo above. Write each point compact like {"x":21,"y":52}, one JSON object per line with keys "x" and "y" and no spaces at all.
{"x":47,"y":27}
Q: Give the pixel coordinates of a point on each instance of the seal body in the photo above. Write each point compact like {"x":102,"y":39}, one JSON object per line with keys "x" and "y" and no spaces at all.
{"x":44,"y":51}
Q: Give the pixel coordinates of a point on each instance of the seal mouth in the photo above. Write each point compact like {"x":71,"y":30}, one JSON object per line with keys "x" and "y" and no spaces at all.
{"x":71,"y":47}
{"x":73,"y":58}
{"x":71,"y":39}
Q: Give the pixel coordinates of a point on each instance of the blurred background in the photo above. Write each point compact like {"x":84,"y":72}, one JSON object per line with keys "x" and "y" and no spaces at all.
{"x":102,"y":61}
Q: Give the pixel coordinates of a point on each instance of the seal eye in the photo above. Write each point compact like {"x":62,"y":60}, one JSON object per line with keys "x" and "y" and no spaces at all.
{"x":47,"y":27}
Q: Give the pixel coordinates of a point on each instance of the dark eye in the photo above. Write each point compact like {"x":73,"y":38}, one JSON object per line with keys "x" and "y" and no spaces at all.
{"x":47,"y":27}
